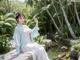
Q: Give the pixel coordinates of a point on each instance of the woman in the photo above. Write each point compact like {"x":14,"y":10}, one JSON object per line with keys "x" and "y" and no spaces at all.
{"x":23,"y":37}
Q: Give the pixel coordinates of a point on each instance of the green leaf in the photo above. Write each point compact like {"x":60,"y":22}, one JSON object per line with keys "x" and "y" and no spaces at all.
{"x":1,"y":22}
{"x":9,"y":15}
{"x":8,"y":24}
{"x":10,"y":20}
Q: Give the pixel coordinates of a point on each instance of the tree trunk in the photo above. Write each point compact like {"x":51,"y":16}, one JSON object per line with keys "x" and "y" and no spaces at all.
{"x":56,"y":13}
{"x":66,"y":20}
{"x":53,"y":21}
{"x":75,"y":8}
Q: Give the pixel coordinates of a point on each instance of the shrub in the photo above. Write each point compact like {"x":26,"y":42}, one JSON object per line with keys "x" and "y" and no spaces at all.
{"x":7,"y":24}
{"x":39,"y":39}
{"x":4,"y":44}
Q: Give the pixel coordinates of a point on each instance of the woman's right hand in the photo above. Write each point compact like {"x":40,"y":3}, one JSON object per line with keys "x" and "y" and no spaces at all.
{"x":35,"y":19}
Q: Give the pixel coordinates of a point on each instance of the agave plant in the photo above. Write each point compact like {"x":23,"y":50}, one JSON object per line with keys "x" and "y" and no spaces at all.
{"x":7,"y":23}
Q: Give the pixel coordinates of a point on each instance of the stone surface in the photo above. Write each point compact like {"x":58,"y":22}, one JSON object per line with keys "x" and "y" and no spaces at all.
{"x":22,"y":56}
{"x":47,"y":42}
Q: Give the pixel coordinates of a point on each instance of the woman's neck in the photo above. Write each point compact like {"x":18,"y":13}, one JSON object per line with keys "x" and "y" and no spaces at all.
{"x":20,"y":23}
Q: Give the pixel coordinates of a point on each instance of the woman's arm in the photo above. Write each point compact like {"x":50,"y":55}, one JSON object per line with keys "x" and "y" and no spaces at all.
{"x":16,"y":36}
{"x":36,"y":20}
{"x":35,"y":30}
{"x":17,"y":39}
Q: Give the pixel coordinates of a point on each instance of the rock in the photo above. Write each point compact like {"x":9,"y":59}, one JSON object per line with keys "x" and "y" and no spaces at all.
{"x":79,"y":56}
{"x":22,"y":56}
{"x":73,"y":54}
{"x":1,"y":57}
{"x":62,"y":55}
{"x":47,"y":43}
{"x":64,"y":48}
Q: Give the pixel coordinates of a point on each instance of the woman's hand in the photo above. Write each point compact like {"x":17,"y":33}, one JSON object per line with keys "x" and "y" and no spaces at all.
{"x":35,"y":19}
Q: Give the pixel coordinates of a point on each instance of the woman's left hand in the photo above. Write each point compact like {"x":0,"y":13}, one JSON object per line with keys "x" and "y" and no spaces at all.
{"x":35,"y":19}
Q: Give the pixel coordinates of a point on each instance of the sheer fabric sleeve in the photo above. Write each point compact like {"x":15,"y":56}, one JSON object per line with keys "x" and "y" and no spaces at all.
{"x":16,"y":36}
{"x":35,"y":32}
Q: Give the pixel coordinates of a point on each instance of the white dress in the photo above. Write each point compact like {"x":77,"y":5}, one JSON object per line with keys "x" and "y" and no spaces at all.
{"x":23,"y":37}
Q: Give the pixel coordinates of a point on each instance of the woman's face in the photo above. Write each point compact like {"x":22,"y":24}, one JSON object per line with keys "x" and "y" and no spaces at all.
{"x":21,"y":20}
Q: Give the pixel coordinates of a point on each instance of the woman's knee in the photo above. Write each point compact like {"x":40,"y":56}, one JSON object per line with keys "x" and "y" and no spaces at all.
{"x":41,"y":48}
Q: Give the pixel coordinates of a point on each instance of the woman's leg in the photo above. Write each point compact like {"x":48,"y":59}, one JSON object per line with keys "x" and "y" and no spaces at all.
{"x":40,"y":52}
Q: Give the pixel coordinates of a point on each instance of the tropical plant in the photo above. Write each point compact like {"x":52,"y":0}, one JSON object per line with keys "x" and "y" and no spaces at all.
{"x":39,"y":39}
{"x":7,"y":23}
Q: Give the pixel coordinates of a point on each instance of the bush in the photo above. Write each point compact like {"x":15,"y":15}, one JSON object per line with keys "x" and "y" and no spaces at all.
{"x":39,"y":39}
{"x":4,"y":44}
{"x":7,"y":23}
{"x":61,"y":41}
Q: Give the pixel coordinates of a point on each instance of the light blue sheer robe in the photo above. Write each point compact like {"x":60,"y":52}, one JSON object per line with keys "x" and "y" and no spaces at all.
{"x":24,"y":35}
